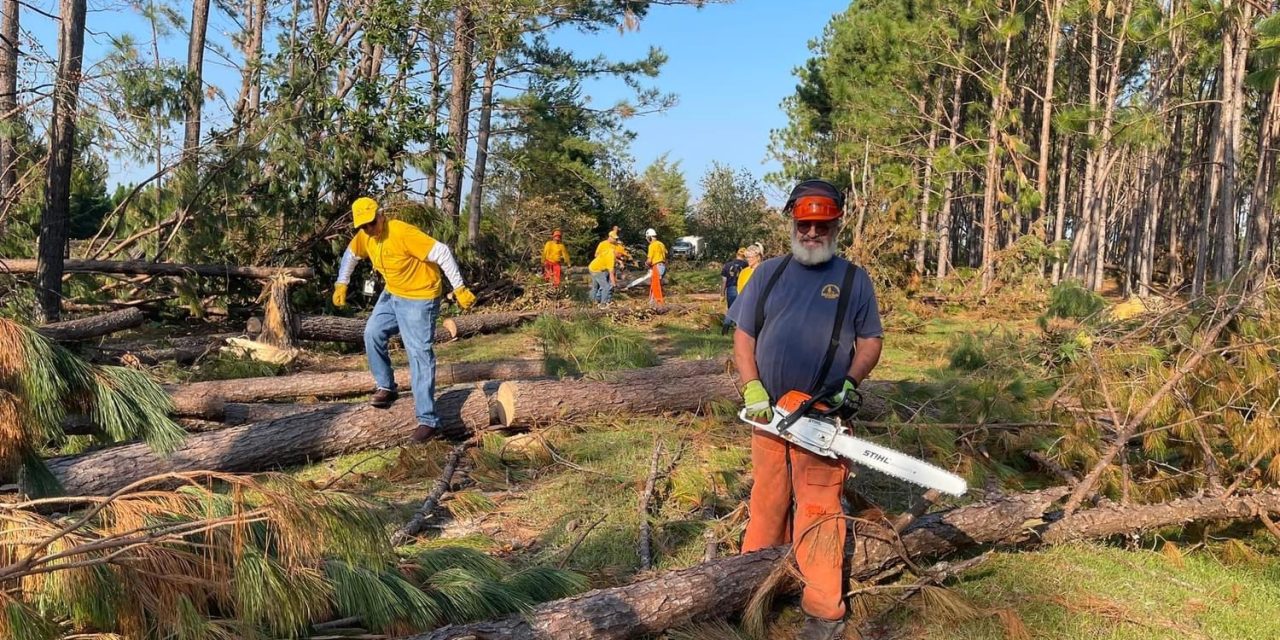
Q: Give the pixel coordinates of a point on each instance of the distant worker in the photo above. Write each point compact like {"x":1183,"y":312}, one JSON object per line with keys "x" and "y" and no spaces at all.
{"x":620,"y":254}
{"x":602,"y":268}
{"x":657,"y":263}
{"x":807,"y":322}
{"x":554,"y":256}
{"x":755,"y":253}
{"x":412,"y":264}
{"x":729,"y":281}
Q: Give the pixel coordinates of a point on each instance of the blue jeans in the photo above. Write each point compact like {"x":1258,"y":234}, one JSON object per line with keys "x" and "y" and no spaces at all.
{"x":730,"y":294}
{"x":415,"y":321}
{"x":601,"y":288}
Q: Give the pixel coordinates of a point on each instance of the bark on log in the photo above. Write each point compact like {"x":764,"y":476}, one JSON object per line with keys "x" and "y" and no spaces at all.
{"x":722,"y":587}
{"x":183,"y":350}
{"x":679,"y":386}
{"x":526,"y":404}
{"x":93,"y":326}
{"x":482,"y":323}
{"x":351,"y":330}
{"x":140,"y":267}
{"x":327,"y":431}
{"x":205,"y":399}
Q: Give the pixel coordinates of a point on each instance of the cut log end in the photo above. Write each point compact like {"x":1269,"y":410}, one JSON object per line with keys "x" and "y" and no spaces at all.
{"x":504,"y":403}
{"x":450,"y":327}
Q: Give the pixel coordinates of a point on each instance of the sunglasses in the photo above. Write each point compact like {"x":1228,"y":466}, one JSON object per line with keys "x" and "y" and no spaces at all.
{"x":820,"y":227}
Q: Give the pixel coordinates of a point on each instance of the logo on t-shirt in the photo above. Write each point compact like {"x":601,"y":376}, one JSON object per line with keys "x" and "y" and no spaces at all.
{"x":831,"y":292}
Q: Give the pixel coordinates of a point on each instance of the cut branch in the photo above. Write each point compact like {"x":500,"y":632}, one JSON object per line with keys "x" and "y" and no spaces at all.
{"x":93,"y":326}
{"x":418,"y":522}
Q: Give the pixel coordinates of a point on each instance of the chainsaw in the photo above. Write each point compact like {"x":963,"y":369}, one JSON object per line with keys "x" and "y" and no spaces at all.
{"x":804,"y":421}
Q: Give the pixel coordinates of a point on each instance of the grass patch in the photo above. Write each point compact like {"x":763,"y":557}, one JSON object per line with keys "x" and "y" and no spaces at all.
{"x":1091,"y":591}
{"x":221,"y":366}
{"x":520,"y":343}
{"x":691,"y":277}
{"x":587,"y":345}
{"x":683,"y":340}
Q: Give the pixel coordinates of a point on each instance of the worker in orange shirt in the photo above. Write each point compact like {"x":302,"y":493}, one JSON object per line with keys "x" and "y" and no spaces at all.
{"x":554,"y":256}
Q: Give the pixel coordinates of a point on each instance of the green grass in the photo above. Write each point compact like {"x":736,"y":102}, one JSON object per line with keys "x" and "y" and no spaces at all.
{"x":588,"y":345}
{"x":1092,"y":591}
{"x":692,"y":277}
{"x":683,"y":339}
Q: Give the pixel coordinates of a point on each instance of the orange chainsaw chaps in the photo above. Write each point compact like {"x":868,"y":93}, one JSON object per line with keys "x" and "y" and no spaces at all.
{"x":783,"y":472}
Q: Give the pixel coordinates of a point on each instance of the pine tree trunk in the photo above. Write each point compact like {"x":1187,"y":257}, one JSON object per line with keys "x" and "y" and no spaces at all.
{"x":9,"y":33}
{"x":194,"y":82}
{"x":62,"y":132}
{"x":1262,"y":204}
{"x":1060,"y":210}
{"x":93,"y":326}
{"x":203,"y":399}
{"x":944,"y":217}
{"x":1053,"y":15}
{"x":327,"y":431}
{"x":476,"y":205}
{"x":989,"y":226}
{"x":432,"y":170}
{"x":459,"y":107}
{"x":926,"y":187}
{"x":1209,"y":187}
{"x":142,"y":267}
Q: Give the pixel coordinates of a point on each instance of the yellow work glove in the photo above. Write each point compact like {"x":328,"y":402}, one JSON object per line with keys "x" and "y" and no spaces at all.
{"x":340,"y":295}
{"x":464,"y":297}
{"x":756,"y":401}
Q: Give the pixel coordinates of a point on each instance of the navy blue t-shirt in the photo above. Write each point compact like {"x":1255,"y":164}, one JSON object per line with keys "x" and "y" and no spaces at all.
{"x":730,"y":272}
{"x":798,"y":318}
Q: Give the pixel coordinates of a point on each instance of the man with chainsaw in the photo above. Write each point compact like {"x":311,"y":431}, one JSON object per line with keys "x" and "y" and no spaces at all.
{"x":807,"y":321}
{"x":413,"y":265}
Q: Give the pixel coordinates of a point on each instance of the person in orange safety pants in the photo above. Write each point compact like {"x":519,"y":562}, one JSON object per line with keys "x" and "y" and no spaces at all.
{"x":786,"y":318}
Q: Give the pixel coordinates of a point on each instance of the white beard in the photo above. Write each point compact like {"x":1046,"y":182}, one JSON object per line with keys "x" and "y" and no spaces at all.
{"x":811,"y":257}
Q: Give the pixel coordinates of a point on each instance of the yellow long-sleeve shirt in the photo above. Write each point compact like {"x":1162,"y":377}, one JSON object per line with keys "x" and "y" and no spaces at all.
{"x":404,"y":257}
{"x":554,"y":251}
{"x":605,"y":257}
{"x":657,"y":252}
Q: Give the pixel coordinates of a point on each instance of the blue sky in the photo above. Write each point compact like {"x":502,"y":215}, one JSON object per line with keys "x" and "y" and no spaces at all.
{"x":730,"y":66}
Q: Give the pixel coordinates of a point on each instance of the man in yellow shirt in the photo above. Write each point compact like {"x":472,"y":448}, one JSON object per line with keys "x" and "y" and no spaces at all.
{"x":601,"y":268}
{"x":657,"y":262}
{"x":554,"y":254}
{"x":414,"y":266}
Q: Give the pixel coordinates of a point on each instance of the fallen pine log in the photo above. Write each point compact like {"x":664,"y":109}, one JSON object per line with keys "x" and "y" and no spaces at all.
{"x":93,"y":326}
{"x":679,"y":386}
{"x":323,"y":432}
{"x":526,"y":404}
{"x":207,"y":399}
{"x":142,"y":267}
{"x":351,"y":330}
{"x":722,"y":587}
{"x":182,"y":350}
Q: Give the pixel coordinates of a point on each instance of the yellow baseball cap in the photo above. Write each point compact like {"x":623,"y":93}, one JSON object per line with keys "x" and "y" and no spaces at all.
{"x":613,"y":235}
{"x":363,"y":210}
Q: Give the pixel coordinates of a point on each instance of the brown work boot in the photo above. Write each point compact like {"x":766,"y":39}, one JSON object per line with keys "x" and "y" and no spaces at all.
{"x":423,"y":433}
{"x":383,"y":398}
{"x":819,"y":629}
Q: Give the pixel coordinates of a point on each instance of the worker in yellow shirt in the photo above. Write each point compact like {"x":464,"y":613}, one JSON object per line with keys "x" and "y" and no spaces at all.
{"x":755,"y":253}
{"x":554,"y":255}
{"x":602,"y":267}
{"x":621,"y":256}
{"x":657,"y":263}
{"x":414,"y":266}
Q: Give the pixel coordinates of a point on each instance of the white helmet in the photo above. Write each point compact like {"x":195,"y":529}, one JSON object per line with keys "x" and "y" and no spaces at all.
{"x":650,"y":233}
